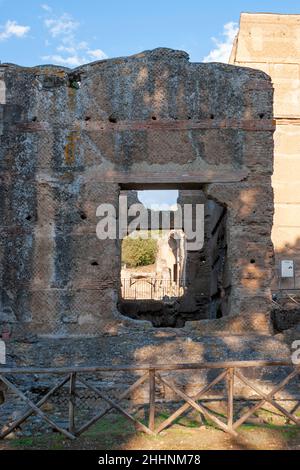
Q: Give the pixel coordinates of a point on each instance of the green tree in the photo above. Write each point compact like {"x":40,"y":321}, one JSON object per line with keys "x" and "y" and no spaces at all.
{"x":138,"y":251}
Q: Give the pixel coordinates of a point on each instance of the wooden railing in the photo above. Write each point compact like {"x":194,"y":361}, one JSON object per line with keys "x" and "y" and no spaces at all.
{"x":153,"y":374}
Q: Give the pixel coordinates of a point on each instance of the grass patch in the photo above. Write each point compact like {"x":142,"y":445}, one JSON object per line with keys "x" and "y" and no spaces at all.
{"x":22,"y":442}
{"x":115,"y":431}
{"x":111,"y":425}
{"x":49,"y":441}
{"x":288,"y":431}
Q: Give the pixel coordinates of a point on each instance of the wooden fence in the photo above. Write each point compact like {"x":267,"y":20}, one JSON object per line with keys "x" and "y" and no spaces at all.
{"x":153,"y":374}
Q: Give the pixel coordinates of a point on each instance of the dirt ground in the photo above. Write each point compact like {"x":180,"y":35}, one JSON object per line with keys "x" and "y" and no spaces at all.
{"x":116,"y":432}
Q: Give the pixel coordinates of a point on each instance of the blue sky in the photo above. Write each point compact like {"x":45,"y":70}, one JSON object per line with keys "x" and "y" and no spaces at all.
{"x":71,"y":32}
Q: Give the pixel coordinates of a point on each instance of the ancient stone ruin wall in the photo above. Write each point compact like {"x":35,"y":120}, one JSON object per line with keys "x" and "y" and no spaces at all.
{"x":71,"y":140}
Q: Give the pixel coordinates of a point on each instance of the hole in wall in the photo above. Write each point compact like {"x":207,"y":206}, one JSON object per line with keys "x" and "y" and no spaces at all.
{"x":154,"y":118}
{"x":219,"y":313}
{"x":261,"y":115}
{"x":75,"y":80}
{"x":252,"y":261}
{"x":94,"y":263}
{"x":112,"y":119}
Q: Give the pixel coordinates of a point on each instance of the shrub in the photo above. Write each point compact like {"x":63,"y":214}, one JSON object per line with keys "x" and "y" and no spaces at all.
{"x":138,"y":251}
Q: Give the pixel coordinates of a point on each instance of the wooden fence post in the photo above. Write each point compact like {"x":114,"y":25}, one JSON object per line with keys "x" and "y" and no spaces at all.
{"x":230,"y":394}
{"x":152,"y":399}
{"x":72,"y":402}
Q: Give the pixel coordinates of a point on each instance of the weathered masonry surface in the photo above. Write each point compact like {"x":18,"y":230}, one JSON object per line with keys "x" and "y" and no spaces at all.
{"x":73,"y":139}
{"x":271,"y":43}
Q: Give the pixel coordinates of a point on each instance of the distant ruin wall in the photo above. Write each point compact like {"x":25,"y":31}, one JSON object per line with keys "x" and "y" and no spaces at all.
{"x":70,"y":140}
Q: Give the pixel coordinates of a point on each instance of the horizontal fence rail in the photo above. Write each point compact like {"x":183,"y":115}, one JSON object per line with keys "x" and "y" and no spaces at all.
{"x":151,"y":288}
{"x":153,"y":376}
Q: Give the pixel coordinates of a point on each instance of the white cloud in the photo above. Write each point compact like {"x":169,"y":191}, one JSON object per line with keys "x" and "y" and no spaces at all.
{"x":97,"y":54}
{"x":13,"y":29}
{"x":61,"y":26}
{"x":46,"y":7}
{"x":70,"y":61}
{"x":69,"y":51}
{"x":222,"y":51}
{"x":74,"y":59}
{"x":72,"y":48}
